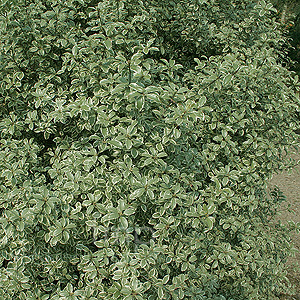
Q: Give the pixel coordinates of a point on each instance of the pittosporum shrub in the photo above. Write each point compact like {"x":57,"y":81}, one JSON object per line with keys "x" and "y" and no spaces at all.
{"x":137,"y":139}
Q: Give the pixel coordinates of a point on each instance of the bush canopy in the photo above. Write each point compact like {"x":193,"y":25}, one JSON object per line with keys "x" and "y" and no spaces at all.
{"x":137,"y":140}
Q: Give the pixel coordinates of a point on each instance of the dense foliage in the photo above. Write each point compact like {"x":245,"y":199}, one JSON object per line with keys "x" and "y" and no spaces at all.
{"x":137,"y":138}
{"x":289,"y":17}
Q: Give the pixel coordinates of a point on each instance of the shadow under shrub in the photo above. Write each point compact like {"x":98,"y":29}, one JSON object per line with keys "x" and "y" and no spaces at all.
{"x":137,"y":139}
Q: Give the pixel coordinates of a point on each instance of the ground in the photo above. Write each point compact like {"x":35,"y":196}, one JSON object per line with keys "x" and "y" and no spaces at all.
{"x":290,"y":186}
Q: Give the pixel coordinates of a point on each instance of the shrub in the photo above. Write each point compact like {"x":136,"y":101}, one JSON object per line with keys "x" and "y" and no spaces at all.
{"x":289,"y":17}
{"x":137,"y":139}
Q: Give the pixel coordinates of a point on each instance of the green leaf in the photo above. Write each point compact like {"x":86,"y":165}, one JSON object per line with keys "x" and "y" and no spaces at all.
{"x":91,"y":223}
{"x":116,"y":143}
{"x":209,"y":223}
{"x":110,"y":216}
{"x":120,"y":87}
{"x":165,"y":279}
{"x":134,"y":152}
{"x":177,"y":133}
{"x":75,"y":50}
{"x":128,"y":144}
{"x":57,"y":231}
{"x":225,"y":181}
{"x":20,"y":75}
{"x":124,"y":222}
{"x":150,"y":194}
{"x":215,"y":264}
{"x":202,"y":100}
{"x":180,"y":294}
{"x":137,"y":193}
{"x":200,"y":65}
{"x":108,"y":43}
{"x":135,"y":58}
{"x":129,"y":211}
{"x":137,"y":87}
{"x":33,"y":49}
{"x":139,"y":103}
{"x":227,"y":79}
{"x":160,"y":293}
{"x":226,"y":226}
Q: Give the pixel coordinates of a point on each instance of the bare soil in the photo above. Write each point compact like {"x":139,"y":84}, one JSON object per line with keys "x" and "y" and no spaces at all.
{"x":290,"y":186}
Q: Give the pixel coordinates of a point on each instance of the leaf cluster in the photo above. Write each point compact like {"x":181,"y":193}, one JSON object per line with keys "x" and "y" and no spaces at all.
{"x":137,"y":138}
